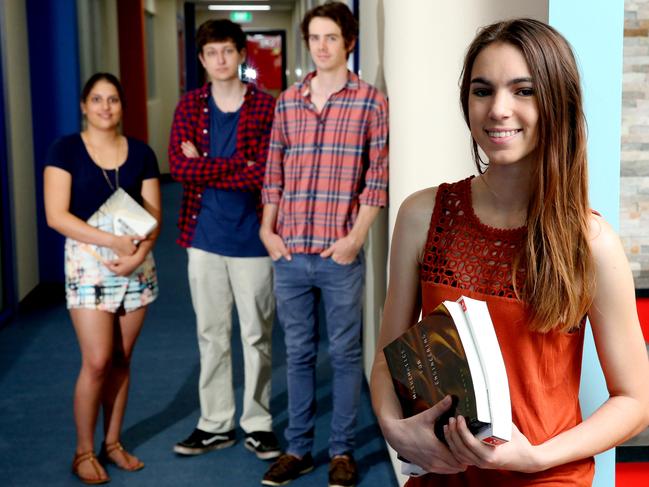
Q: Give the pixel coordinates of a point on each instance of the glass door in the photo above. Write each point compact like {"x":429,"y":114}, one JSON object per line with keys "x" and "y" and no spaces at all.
{"x":266,"y":60}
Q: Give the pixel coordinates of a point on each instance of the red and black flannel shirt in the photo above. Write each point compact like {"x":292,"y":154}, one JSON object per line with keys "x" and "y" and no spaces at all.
{"x":244,"y":171}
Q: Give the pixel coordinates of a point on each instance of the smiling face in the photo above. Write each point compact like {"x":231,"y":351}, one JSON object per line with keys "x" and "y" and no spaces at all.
{"x":502,"y":105}
{"x":103,"y":106}
{"x":327,"y":45}
{"x":221,"y":60}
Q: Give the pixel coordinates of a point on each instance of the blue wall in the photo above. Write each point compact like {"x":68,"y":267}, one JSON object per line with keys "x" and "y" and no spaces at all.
{"x":54,"y":73}
{"x":595,"y":28}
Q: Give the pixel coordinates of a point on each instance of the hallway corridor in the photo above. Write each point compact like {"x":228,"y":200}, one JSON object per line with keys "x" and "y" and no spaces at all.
{"x":39,"y":360}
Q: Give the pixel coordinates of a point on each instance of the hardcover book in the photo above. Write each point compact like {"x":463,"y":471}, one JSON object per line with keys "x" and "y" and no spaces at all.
{"x":120,"y":214}
{"x":454,"y":351}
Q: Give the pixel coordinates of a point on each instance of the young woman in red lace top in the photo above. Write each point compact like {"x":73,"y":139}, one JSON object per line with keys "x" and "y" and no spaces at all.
{"x":520,"y":236}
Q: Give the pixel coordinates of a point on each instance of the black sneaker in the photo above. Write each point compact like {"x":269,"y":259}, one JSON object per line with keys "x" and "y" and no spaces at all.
{"x":343,"y":471}
{"x":263,"y":444}
{"x":201,"y":442}
{"x":286,"y":468}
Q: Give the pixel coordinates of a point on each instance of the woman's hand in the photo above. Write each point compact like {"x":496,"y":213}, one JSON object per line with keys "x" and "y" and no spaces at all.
{"x":414,"y":439}
{"x":517,"y":455}
{"x":125,"y":245}
{"x":124,"y":266}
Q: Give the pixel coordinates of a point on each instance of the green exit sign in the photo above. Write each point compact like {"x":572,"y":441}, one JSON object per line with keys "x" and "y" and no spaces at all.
{"x":241,"y":17}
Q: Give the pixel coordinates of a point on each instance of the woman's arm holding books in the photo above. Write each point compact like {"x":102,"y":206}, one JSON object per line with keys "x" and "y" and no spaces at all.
{"x":125,"y":265}
{"x":413,"y":438}
{"x":623,"y":357}
{"x":57,"y":192}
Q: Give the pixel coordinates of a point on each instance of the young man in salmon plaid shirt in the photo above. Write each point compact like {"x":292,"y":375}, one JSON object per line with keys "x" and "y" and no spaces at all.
{"x":326,"y":180}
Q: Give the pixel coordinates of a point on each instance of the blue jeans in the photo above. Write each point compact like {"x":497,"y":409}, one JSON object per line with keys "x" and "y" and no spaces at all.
{"x":341,"y":288}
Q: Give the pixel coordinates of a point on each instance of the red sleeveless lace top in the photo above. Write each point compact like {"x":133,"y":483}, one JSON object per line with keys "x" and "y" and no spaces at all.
{"x":465,"y":257}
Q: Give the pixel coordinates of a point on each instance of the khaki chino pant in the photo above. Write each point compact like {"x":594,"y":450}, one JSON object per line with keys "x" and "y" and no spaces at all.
{"x":216,"y":282}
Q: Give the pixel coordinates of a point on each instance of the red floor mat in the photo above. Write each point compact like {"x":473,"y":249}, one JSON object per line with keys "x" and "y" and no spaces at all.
{"x":632,"y":474}
{"x":643,"y":313}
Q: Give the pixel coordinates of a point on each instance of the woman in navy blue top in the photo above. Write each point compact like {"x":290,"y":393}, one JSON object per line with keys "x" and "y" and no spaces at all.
{"x":107,"y":297}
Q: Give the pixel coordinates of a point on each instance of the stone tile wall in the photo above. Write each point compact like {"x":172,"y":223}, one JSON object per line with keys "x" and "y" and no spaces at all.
{"x":634,"y":182}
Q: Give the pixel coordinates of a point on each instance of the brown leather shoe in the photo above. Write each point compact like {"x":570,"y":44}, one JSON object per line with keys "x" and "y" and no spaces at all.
{"x":286,"y":468}
{"x":343,"y":471}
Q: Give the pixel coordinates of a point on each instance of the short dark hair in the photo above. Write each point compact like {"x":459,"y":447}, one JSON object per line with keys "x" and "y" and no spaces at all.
{"x":340,"y":14}
{"x":220,"y":30}
{"x":110,"y":78}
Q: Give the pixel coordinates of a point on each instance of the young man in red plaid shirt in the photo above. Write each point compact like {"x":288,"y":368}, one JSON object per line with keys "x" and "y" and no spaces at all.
{"x":217,"y":150}
{"x":326,"y":179}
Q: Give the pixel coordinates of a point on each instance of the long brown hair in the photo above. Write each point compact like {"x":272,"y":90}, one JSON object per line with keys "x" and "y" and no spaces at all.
{"x":559,"y":272}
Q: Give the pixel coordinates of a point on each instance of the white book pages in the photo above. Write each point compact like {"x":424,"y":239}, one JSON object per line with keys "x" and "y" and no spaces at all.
{"x":495,"y":373}
{"x":477,"y":376}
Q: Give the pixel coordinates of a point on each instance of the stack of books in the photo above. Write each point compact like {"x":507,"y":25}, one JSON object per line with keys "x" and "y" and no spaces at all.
{"x":454,"y":351}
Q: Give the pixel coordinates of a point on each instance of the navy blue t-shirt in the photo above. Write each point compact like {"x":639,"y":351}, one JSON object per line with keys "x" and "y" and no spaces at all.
{"x":89,"y":187}
{"x":227,"y":223}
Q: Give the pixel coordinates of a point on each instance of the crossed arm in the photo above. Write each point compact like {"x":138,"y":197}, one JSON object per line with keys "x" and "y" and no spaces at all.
{"x":244,"y":170}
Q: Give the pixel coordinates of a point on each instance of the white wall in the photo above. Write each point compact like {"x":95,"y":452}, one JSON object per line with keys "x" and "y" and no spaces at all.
{"x":98,"y":44}
{"x":371,"y":70}
{"x":424,"y":49}
{"x":19,"y":144}
{"x":160,"y":109}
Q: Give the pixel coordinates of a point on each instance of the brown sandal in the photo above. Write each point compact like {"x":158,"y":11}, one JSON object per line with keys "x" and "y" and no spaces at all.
{"x":88,"y":456}
{"x":108,"y":448}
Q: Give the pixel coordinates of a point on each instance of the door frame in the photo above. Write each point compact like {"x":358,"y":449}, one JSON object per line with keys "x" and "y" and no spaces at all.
{"x":7,"y":274}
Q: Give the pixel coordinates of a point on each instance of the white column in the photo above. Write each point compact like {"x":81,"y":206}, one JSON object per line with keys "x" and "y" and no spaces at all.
{"x":425,"y":44}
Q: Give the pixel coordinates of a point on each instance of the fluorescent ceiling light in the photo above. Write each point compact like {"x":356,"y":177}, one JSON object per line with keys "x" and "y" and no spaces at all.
{"x":238,"y":7}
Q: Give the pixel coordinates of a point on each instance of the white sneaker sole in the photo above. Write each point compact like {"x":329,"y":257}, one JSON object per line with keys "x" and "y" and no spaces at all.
{"x":265,"y":455}
{"x":188,"y":451}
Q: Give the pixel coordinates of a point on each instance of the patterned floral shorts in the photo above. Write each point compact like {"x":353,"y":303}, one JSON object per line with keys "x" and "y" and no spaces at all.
{"x":90,"y":284}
